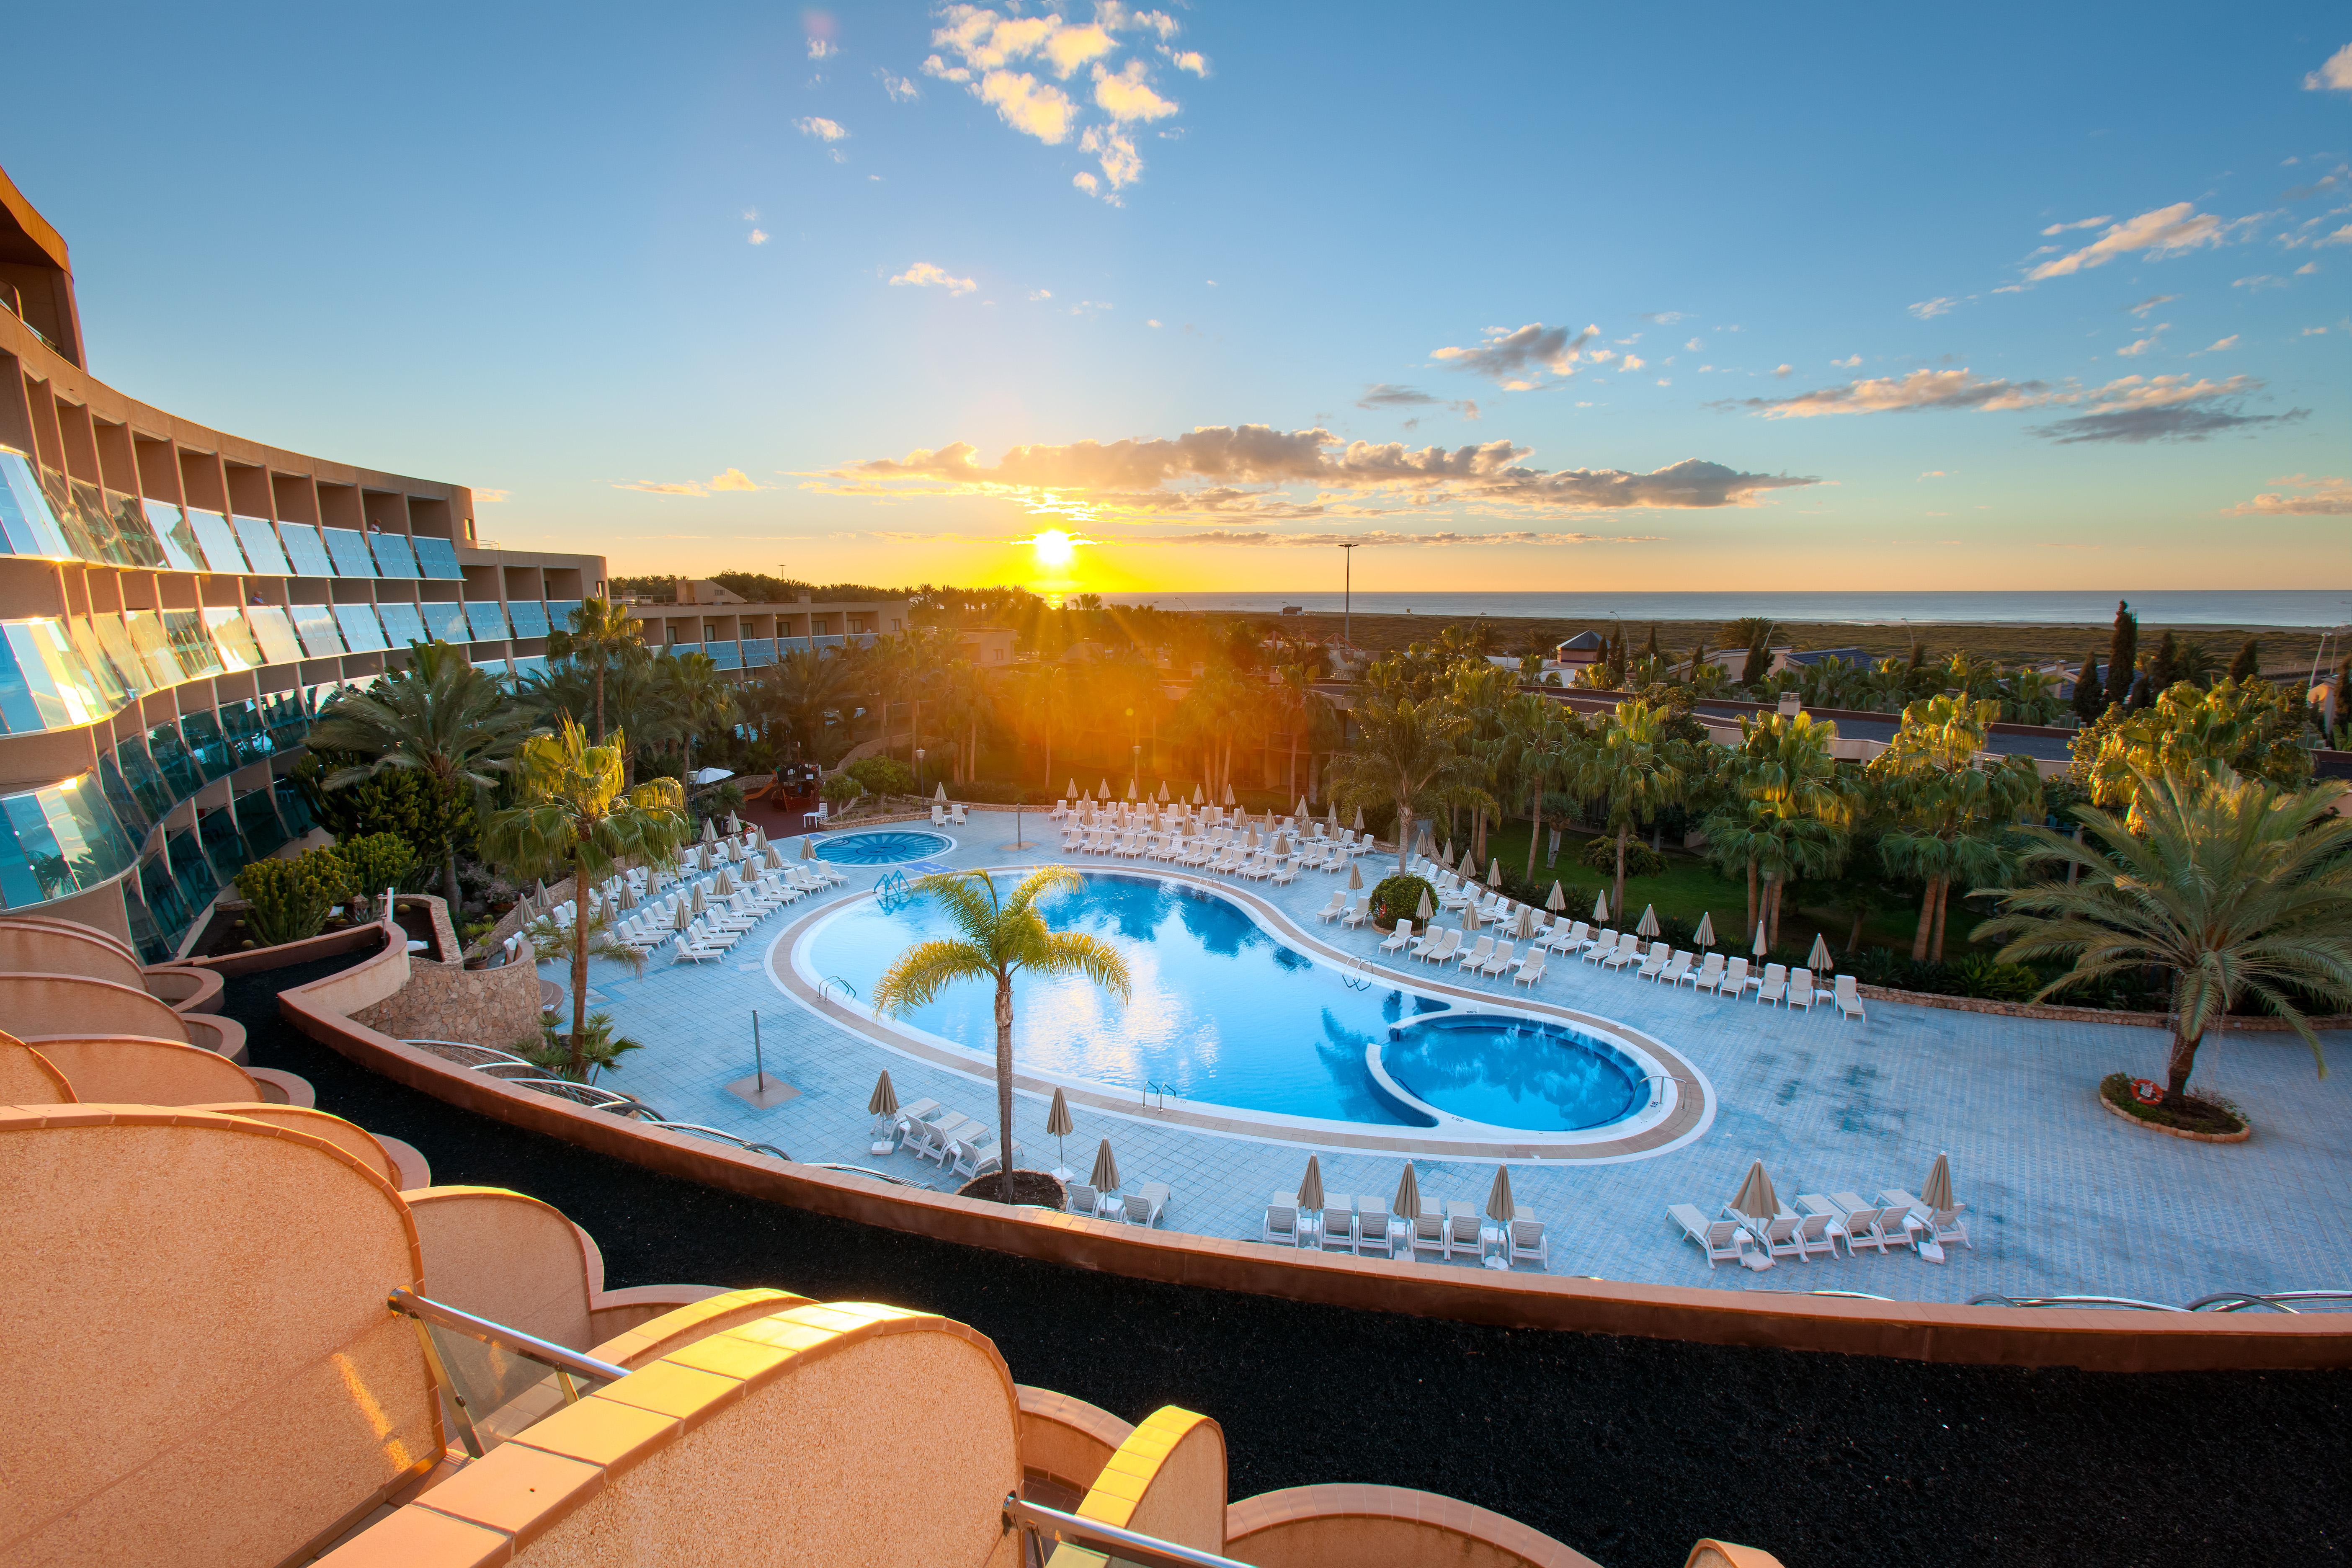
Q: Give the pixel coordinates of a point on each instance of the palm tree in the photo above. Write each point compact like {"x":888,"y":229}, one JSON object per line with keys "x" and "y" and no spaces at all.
{"x":637,"y":698}
{"x":802,"y":692}
{"x":601,"y":633}
{"x":1045,"y":703}
{"x":1790,"y":810}
{"x":1000,"y":936}
{"x":1948,"y":809}
{"x":964,"y":702}
{"x":2236,"y":886}
{"x":1408,"y":755}
{"x":1535,"y":748}
{"x":575,"y":819}
{"x":442,"y":717}
{"x":699,"y":697}
{"x":1637,"y":770}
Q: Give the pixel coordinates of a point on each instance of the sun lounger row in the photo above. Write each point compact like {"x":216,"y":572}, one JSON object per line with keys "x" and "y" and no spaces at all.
{"x":948,"y":1138}
{"x":1144,"y":1207}
{"x":1362,"y":1224}
{"x":1817,"y":1226}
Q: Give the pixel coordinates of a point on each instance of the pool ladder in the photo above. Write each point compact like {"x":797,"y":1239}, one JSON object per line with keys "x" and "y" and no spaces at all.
{"x":824,"y":988}
{"x":1163,"y":1091}
{"x":1658,"y":1081}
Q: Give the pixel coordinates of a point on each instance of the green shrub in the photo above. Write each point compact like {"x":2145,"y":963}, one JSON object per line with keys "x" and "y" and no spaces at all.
{"x":883,"y":775}
{"x":841,"y":789}
{"x":377,"y":861}
{"x":1976,"y":974}
{"x":1399,"y":898}
{"x":290,"y":898}
{"x":1640,"y":860}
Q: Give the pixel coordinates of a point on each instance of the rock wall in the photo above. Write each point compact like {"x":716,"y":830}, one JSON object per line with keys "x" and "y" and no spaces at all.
{"x":449,"y":1002}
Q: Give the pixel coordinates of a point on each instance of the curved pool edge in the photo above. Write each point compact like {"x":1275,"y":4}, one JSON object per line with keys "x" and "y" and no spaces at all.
{"x":945,"y":842}
{"x":1681,"y":1117}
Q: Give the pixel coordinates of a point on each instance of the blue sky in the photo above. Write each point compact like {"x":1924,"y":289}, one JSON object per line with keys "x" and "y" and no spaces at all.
{"x":2060,"y":302}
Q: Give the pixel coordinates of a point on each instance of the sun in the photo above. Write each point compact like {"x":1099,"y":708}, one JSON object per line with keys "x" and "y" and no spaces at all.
{"x":1054,"y":547}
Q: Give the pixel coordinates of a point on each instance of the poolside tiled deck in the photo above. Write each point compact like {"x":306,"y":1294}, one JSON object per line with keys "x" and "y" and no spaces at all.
{"x":2062,"y":1197}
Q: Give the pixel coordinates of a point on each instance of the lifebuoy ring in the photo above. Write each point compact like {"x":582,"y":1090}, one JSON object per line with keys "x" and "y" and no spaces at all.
{"x":2147,"y":1091}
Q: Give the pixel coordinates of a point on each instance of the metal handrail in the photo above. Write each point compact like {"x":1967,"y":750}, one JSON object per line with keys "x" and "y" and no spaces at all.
{"x":1989,"y":1299}
{"x":408,"y":1303}
{"x":1035,"y":1521}
{"x":2239,"y":1300}
{"x":700,"y":1131}
{"x":868,"y":1171}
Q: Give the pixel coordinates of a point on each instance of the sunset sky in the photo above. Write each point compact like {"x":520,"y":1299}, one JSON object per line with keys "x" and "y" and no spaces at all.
{"x":1527,"y":298}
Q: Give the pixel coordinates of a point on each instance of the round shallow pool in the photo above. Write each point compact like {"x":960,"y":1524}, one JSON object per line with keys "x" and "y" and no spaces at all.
{"x":1513,"y":1071}
{"x":883,"y":848}
{"x":1225,"y":1011}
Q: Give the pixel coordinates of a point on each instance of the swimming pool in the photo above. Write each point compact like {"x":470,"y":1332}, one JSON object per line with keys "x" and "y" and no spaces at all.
{"x":1225,"y":1012}
{"x":888,"y":847}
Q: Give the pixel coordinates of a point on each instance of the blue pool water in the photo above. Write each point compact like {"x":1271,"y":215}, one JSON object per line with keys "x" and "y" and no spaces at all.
{"x":1223,"y":1011}
{"x":883,"y":848}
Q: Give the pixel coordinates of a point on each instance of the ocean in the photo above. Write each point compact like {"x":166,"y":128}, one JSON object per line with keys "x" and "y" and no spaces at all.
{"x":2221,"y":607}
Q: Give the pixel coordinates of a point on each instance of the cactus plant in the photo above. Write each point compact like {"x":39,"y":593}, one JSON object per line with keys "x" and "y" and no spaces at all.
{"x":377,"y":861}
{"x":289,"y":900}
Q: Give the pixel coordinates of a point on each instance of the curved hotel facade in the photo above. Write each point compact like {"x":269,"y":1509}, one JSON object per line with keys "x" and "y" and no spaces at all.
{"x":176,"y":603}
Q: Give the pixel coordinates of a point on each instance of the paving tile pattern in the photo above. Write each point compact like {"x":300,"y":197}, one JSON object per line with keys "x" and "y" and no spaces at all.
{"x":2062,"y":1197}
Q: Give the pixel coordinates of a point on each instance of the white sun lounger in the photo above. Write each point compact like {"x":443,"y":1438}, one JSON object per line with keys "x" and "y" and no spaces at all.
{"x":1602,"y":947}
{"x":1801,"y":989}
{"x":1362,"y":912}
{"x":1499,"y":961}
{"x":1707,"y":976}
{"x":1676,"y":967}
{"x":1531,"y":968}
{"x":1529,"y":1243}
{"x":1721,"y":1240}
{"x":1339,"y":1226}
{"x":1477,"y":955}
{"x":1778,"y":1235}
{"x":1849,"y":1002}
{"x":1443,"y":948}
{"x":1774,"y":987}
{"x":1372,"y":1229}
{"x":1144,"y":1206}
{"x":1400,"y":938}
{"x":1281,"y":1224}
{"x":1655,"y":964}
{"x":1629,"y":948}
{"x":1429,"y":1233}
{"x":1813,"y":1239}
{"x":1734,"y":983}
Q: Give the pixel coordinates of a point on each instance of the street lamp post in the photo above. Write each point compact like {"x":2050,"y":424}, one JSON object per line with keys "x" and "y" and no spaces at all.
{"x":1348,"y":597}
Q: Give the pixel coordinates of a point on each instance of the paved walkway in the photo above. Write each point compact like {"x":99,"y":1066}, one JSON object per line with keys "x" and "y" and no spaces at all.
{"x":2062,"y":1196}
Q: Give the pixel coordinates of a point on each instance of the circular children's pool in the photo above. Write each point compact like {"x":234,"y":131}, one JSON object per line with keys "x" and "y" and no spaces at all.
{"x":1513,"y":1071}
{"x":883,"y":847}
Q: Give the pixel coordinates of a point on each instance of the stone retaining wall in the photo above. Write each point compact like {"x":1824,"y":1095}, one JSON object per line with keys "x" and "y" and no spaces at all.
{"x":2056,"y":1014}
{"x":449,"y":1002}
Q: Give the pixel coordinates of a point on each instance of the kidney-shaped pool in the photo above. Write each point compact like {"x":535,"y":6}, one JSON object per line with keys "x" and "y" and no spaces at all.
{"x":1225,"y":1012}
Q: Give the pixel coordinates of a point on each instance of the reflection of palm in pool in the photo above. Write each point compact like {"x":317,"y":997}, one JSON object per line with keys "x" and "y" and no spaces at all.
{"x":1493,"y":1070}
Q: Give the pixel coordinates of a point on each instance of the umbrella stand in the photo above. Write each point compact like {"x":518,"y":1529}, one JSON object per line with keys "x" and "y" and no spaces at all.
{"x":760,"y":1091}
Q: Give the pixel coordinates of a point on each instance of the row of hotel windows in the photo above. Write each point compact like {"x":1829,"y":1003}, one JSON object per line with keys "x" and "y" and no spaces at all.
{"x":62,"y":672}
{"x":46,"y":514}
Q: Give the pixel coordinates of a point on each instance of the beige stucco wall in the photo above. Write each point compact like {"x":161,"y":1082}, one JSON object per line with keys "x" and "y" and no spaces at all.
{"x":128,"y":1070}
{"x":349,"y":1136}
{"x":1384,"y":1527}
{"x":202,"y":1370}
{"x":62,"y":947}
{"x":36,"y":1003}
{"x":28,"y":1078}
{"x":1066,"y":1439}
{"x":502,"y":1256}
{"x":663,"y":1332}
{"x":1167,"y":1480}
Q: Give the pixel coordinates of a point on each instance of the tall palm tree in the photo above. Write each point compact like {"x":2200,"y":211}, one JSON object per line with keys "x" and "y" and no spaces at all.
{"x":1798,"y":802}
{"x":700,"y":698}
{"x":442,"y":717}
{"x":963,"y":701}
{"x":638,"y":699}
{"x":1636,"y":770}
{"x":1535,"y":748}
{"x":802,"y":692}
{"x":1000,"y":936}
{"x":601,"y":633}
{"x":1407,"y":754}
{"x":1045,"y":703}
{"x":2235,"y":886}
{"x":575,"y":819}
{"x":1949,"y":811}
{"x":1298,"y":708}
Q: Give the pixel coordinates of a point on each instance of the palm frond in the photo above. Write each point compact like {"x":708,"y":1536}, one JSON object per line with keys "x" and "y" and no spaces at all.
{"x":925,"y":969}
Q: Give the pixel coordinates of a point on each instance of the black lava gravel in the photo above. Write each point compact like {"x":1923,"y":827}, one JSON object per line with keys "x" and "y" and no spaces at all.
{"x":1627,"y":1449}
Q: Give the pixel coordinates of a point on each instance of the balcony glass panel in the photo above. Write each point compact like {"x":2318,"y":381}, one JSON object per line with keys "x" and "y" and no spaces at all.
{"x":44,"y":681}
{"x":105,"y":639}
{"x":680,"y":649}
{"x":530,"y":617}
{"x":293,"y":808}
{"x":759,"y":653}
{"x":65,"y":505}
{"x":402,"y":624}
{"x":361,"y":630}
{"x":446,"y":623}
{"x":530,"y":667}
{"x":147,"y":938}
{"x":497,"y":666}
{"x":487,"y":620}
{"x":241,"y":722}
{"x":257,"y":824}
{"x":127,"y":809}
{"x":153,"y":648}
{"x":216,"y":827}
{"x":233,"y":636}
{"x":558,"y":613}
{"x":27,"y":527}
{"x":394,"y":556}
{"x":348,"y":548}
{"x":437,"y":557}
{"x":725,"y":655}
{"x":171,"y":759}
{"x":261,"y":546}
{"x":208,"y":745}
{"x":146,"y":781}
{"x":176,"y":534}
{"x":57,"y":841}
{"x":218,"y":541}
{"x":193,"y":877}
{"x":273,"y":630}
{"x":306,"y":549}
{"x":315,"y":623}
{"x":164,"y":898}
{"x":127,"y":537}
{"x":191,"y":644}
{"x":287,"y":718}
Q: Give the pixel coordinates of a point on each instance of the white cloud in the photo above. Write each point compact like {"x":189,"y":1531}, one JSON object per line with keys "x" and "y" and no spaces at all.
{"x":1185,"y":60}
{"x":2257,"y":282}
{"x":758,"y":237}
{"x":822,"y":48}
{"x":901,"y":89}
{"x":750,"y":214}
{"x":1693,"y":345}
{"x":1511,"y":358}
{"x":2132,"y":350}
{"x":2336,"y":76}
{"x":489,"y":497}
{"x":1086,"y":183}
{"x":2218,"y":345}
{"x":727,"y":480}
{"x":1070,"y":48}
{"x":1941,"y":305}
{"x":1783,"y":370}
{"x":1848,"y":362}
{"x":1041,"y":293}
{"x":2138,"y":409}
{"x":1633,"y":362}
{"x":924,"y":275}
{"x":1935,"y":474}
{"x":2329,"y":497}
{"x":824,"y":130}
{"x":2150,"y":303}
{"x":1029,"y":106}
{"x":1128,"y":95}
{"x":1151,"y":320}
{"x":2078,"y":223}
{"x":2313,"y":331}
{"x":934,"y":66}
{"x":1921,"y":389}
{"x":2306,"y":270}
{"x":2166,"y":231}
{"x":1121,"y":164}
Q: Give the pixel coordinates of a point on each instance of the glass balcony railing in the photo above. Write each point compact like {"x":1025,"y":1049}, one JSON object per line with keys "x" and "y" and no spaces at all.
{"x":306,"y":549}
{"x":446,"y":623}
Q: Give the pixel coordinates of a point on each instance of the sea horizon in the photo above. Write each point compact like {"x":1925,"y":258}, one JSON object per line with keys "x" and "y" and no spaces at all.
{"x":2284,"y":607}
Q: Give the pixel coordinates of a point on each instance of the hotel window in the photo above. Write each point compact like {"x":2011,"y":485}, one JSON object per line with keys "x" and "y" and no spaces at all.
{"x":393,"y":557}
{"x":306,"y":549}
{"x":315,"y":625}
{"x":176,"y":534}
{"x":218,"y":540}
{"x":348,"y":548}
{"x":361,"y":630}
{"x":402,"y":624}
{"x":444,"y":623}
{"x":487,"y":620}
{"x":437,"y":558}
{"x":27,"y":524}
{"x":273,"y":630}
{"x":261,"y":546}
